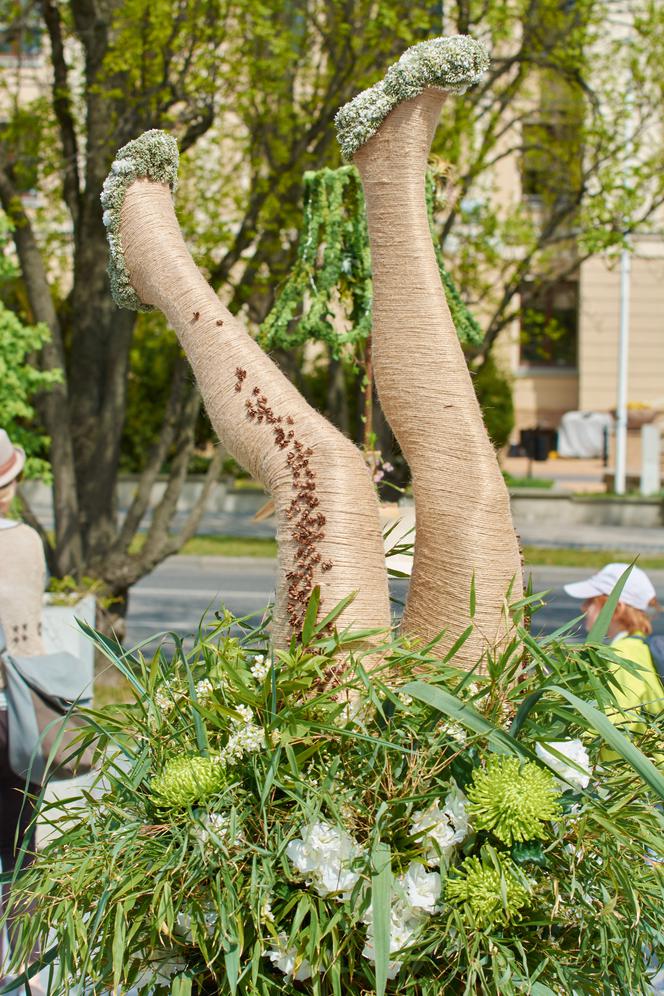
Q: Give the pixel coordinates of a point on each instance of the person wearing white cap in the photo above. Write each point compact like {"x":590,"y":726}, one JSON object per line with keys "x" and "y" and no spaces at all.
{"x":628,"y":631}
{"x":22,"y":578}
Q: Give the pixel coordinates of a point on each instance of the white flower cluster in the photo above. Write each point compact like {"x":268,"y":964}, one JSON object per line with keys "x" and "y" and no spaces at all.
{"x":323,"y":856}
{"x":215,"y":827}
{"x":204,"y":690}
{"x":153,"y":155}
{"x":453,"y":63}
{"x":247,"y":737}
{"x":415,"y":897}
{"x":569,"y":775}
{"x":441,"y":830}
{"x":183,"y":924}
{"x":165,"y":697}
{"x":260,"y":668}
{"x":285,"y":959}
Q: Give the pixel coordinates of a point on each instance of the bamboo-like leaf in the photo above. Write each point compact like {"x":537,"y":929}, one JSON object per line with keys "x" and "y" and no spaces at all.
{"x":381,"y":898}
{"x":309,"y":624}
{"x":473,"y":597}
{"x":597,"y":721}
{"x":465,"y":714}
{"x":601,"y":624}
{"x":119,"y":933}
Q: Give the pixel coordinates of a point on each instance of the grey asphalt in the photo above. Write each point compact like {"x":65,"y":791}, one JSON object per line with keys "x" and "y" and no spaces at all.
{"x":182,"y":589}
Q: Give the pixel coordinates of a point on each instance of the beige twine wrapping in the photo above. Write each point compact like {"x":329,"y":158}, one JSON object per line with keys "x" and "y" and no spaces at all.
{"x":345,"y":551}
{"x":463,"y":519}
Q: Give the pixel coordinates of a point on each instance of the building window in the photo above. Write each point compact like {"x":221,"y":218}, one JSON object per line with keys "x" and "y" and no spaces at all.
{"x":20,"y":30}
{"x":549,"y":324}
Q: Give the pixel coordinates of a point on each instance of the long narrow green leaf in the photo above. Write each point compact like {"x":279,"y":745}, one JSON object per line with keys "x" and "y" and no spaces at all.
{"x":465,"y":714}
{"x":119,"y":933}
{"x":381,"y":898}
{"x":309,"y":624}
{"x":601,"y":625}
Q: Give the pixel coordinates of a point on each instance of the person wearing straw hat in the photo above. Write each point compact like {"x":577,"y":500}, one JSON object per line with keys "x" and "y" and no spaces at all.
{"x":637,"y":691}
{"x":22,"y":578}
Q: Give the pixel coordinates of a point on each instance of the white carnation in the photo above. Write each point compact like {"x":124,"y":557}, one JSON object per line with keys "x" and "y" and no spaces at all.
{"x":440,"y":830}
{"x":575,"y":752}
{"x":421,"y":888}
{"x":323,"y":856}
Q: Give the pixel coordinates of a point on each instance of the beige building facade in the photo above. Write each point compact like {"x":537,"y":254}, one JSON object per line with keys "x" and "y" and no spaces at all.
{"x":544,"y":392}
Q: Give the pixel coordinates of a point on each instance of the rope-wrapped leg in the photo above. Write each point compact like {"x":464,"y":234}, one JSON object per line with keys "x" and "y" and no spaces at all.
{"x":464,"y":532}
{"x":328,"y":528}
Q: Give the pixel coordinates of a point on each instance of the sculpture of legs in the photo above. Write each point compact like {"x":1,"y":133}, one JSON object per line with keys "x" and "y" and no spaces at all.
{"x":328,"y":527}
{"x":464,"y":529}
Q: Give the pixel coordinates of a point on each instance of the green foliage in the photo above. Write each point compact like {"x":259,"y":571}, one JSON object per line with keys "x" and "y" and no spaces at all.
{"x":341,"y":852}
{"x":20,"y":378}
{"x":494,"y":393}
{"x":333,"y":271}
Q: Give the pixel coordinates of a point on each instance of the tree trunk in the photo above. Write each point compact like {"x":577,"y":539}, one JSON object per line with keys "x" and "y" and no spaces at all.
{"x":464,"y":531}
{"x":327,"y":513}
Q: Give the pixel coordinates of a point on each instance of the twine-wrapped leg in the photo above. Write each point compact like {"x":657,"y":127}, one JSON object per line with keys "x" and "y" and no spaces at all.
{"x":464,"y":528}
{"x":328,"y":527}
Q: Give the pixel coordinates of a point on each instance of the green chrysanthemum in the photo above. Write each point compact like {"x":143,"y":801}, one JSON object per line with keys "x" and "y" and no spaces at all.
{"x":513,"y":800}
{"x":185,"y":781}
{"x":490,"y":888}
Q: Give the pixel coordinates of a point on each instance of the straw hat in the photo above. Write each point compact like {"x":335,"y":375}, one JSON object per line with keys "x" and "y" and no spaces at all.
{"x":12,"y":460}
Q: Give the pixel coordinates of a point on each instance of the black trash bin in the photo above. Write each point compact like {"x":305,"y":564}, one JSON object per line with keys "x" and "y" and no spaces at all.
{"x":538,"y":442}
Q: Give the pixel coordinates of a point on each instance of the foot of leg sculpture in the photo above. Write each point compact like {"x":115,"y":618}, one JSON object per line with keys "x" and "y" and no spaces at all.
{"x":327,"y":513}
{"x":464,"y":527}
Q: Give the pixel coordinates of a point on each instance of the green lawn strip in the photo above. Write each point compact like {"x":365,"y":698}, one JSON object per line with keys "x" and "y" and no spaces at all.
{"x":535,"y":556}
{"x":542,"y":556}
{"x":230,"y":546}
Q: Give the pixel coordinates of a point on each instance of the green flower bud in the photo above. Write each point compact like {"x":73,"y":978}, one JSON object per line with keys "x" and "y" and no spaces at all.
{"x":490,"y":888}
{"x":512,"y":799}
{"x":185,"y":781}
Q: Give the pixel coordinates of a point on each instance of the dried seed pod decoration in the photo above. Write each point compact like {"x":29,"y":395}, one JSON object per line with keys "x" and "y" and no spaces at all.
{"x":197,"y":315}
{"x":220,"y":322}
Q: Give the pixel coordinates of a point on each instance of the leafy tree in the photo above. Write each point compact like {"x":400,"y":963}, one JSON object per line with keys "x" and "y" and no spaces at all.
{"x":20,"y":379}
{"x":116,"y":70}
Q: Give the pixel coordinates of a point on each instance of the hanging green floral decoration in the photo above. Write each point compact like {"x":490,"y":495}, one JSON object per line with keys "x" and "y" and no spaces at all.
{"x":332,"y":273}
{"x":513,"y":800}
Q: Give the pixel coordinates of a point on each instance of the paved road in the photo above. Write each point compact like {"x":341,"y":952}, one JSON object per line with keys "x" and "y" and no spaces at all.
{"x":182,"y":589}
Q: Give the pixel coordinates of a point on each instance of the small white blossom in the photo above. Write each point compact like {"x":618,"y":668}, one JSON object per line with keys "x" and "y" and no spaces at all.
{"x":260,"y":668}
{"x":163,"y":700}
{"x":267,"y":916}
{"x":574,"y":750}
{"x":245,"y":740}
{"x":285,"y":959}
{"x":404,"y":924}
{"x":440,"y":830}
{"x":405,"y":699}
{"x":204,"y":690}
{"x":246,"y":714}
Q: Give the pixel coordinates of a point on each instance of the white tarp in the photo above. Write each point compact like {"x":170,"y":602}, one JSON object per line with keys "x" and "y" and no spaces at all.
{"x":581,"y":434}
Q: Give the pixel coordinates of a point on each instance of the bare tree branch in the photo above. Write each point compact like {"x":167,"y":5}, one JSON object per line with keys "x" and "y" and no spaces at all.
{"x":63,"y":112}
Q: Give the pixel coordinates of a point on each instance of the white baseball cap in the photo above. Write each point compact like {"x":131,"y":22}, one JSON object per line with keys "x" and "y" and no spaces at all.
{"x":637,"y":592}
